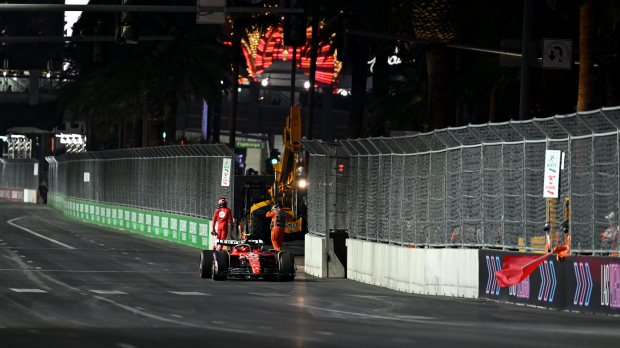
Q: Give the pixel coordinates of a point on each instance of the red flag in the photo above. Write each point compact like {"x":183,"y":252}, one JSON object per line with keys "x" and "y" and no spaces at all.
{"x":516,"y":268}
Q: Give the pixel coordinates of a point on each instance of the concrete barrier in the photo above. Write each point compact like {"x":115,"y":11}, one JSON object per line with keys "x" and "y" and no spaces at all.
{"x":316,"y":261}
{"x":446,"y":272}
{"x":180,"y":229}
{"x":19,"y":195}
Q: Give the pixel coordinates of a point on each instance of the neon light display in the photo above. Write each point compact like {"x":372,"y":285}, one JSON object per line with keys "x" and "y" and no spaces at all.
{"x":270,"y":48}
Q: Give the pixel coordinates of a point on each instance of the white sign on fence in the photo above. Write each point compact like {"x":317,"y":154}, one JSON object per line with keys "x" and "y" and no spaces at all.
{"x":36,"y":169}
{"x":86,"y":177}
{"x":552,"y":173}
{"x":226,"y":172}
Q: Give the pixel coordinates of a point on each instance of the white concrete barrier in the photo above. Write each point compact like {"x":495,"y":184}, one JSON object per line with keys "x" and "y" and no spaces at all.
{"x":445,"y":272}
{"x":316,"y":262}
{"x":314,"y":259}
{"x":30,"y":196}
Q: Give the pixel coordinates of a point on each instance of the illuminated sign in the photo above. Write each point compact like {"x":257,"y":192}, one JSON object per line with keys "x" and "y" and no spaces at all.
{"x":392,"y":60}
{"x":249,"y":145}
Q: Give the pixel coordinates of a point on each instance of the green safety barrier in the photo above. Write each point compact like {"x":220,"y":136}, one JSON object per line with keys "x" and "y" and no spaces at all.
{"x":185,"y":230}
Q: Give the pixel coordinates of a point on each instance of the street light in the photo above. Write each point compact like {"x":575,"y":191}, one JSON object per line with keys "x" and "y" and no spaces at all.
{"x":307,"y":84}
{"x":265,"y":82}
{"x":302,"y":183}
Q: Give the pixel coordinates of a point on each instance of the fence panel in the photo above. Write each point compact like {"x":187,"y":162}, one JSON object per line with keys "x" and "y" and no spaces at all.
{"x":482,"y":185}
{"x":173,"y":179}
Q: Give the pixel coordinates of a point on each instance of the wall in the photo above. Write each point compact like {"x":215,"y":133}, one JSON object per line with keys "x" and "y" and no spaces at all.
{"x":185,"y":230}
{"x":446,"y":272}
{"x":19,"y":195}
{"x":316,"y":262}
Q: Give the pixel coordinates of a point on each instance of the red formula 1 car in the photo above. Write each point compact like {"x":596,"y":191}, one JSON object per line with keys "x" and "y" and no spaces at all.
{"x":246,"y":259}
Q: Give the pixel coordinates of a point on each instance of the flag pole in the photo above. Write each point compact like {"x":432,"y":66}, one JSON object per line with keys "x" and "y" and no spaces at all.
{"x":538,"y":259}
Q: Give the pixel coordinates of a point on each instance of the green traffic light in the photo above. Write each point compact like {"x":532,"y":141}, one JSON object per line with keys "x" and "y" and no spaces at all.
{"x":274,"y":161}
{"x":164,"y":135}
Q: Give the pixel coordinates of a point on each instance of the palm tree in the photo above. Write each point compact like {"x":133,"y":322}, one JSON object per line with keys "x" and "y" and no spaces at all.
{"x":435,"y":22}
{"x":587,"y":40}
{"x":243,"y":23}
{"x":151,"y":74}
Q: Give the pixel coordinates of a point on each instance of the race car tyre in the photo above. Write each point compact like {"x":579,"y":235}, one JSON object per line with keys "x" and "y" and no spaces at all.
{"x":205,"y":263}
{"x":220,"y":264}
{"x":287,"y":267}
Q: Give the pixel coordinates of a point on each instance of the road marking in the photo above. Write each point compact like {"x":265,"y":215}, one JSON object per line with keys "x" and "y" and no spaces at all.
{"x":124,"y":345}
{"x":108,"y":292}
{"x":176,"y":316}
{"x":188,"y":293}
{"x":15,"y":251}
{"x":10,"y":222}
{"x":324,"y":333}
{"x":28,"y":290}
{"x":361,"y":315}
{"x":22,"y":256}
{"x":29,"y":261}
{"x":217,"y":322}
{"x":270,"y":294}
{"x":38,"y":267}
{"x":137,"y":258}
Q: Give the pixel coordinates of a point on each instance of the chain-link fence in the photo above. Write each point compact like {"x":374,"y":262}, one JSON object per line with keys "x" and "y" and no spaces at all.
{"x":185,"y":180}
{"x":328,"y":187}
{"x":478,"y":185}
{"x":19,"y":173}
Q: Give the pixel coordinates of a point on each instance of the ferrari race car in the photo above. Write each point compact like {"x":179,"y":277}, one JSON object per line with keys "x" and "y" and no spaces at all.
{"x":246,"y":259}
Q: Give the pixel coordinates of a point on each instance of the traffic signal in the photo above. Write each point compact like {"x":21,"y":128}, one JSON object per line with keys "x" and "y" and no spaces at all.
{"x":126,"y":26}
{"x":344,"y":42}
{"x":295,"y":24}
{"x":164,"y":136}
{"x":275,"y":157}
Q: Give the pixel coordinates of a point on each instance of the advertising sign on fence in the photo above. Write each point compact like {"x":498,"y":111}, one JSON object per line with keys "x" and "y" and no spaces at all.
{"x":580,"y":283}
{"x":552,"y":173}
{"x":544,"y":287}
{"x":36,"y":169}
{"x":86,"y":177}
{"x":226,"y":172}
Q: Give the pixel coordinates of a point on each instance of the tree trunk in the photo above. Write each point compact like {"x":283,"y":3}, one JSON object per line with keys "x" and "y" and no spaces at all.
{"x":438,"y":86}
{"x":380,"y":88}
{"x":358,"y":93}
{"x":587,"y":38}
{"x":170,"y":112}
{"x":236,"y":53}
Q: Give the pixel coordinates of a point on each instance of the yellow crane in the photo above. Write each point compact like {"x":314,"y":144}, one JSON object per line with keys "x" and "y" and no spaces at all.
{"x":285,"y":177}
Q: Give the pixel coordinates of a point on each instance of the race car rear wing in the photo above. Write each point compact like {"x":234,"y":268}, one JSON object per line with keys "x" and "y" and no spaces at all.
{"x":235,"y":242}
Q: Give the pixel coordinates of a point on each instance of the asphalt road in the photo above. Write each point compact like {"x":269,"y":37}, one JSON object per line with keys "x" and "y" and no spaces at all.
{"x":65,"y":283}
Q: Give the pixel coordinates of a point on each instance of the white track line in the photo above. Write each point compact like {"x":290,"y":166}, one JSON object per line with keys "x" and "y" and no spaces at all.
{"x":10,"y":222}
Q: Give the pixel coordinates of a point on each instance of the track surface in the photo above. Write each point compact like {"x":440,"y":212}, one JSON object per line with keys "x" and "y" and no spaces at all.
{"x":103,"y":287}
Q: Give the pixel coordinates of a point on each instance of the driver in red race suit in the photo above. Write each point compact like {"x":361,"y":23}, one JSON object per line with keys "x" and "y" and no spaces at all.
{"x":222,"y":216}
{"x":279,"y":217}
